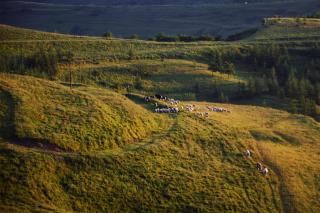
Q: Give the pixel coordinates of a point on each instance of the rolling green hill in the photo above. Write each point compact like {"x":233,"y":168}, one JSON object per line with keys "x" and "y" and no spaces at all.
{"x":190,"y":163}
{"x":288,"y":29}
{"x":100,"y":147}
{"x":13,"y":33}
{"x":92,"y":123}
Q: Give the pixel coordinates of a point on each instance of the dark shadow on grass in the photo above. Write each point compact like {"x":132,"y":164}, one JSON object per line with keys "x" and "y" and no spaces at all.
{"x":8,"y":131}
{"x":138,"y":99}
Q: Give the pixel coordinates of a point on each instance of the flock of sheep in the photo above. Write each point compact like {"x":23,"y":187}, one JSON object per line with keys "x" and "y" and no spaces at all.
{"x":190,"y":108}
{"x":175,"y":108}
{"x":264,"y":170}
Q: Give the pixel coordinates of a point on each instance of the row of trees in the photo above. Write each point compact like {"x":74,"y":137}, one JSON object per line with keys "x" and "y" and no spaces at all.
{"x":42,"y":62}
{"x":292,"y":74}
{"x":218,"y":63}
{"x":162,"y":37}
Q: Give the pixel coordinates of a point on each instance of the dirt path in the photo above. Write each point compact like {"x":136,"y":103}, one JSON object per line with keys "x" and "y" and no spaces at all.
{"x":286,"y":197}
{"x":37,"y":144}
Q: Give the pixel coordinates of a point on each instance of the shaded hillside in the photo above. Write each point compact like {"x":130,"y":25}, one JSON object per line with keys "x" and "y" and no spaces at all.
{"x":146,"y":20}
{"x":147,"y":2}
{"x":91,"y":148}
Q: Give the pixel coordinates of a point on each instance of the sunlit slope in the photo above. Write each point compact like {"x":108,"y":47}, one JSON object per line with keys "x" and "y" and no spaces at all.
{"x":289,"y":144}
{"x":10,"y":33}
{"x":289,"y":29}
{"x":189,"y":163}
{"x":181,"y":79}
{"x":70,"y":119}
{"x":26,"y":42}
{"x":195,"y":165}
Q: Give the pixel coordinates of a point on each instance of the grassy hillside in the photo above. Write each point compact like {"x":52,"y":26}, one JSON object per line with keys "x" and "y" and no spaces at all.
{"x":148,"y":20}
{"x":14,"y":33}
{"x":96,"y":148}
{"x":289,"y":29}
{"x":189,"y":164}
{"x":179,"y":79}
{"x":73,"y":120}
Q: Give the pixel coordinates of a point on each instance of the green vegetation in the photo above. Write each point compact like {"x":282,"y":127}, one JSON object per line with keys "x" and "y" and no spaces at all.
{"x":97,"y":146}
{"x":288,"y":29}
{"x":74,"y":121}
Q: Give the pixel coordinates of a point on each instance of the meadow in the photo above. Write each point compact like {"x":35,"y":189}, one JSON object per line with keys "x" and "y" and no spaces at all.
{"x":98,"y":146}
{"x":188,"y":163}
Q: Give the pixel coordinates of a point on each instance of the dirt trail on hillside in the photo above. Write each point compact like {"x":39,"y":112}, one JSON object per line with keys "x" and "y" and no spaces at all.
{"x":39,"y":144}
{"x":285,"y":196}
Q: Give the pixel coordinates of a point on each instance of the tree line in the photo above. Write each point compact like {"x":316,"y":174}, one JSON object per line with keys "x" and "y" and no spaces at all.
{"x":42,"y":62}
{"x":162,"y":37}
{"x":280,"y":72}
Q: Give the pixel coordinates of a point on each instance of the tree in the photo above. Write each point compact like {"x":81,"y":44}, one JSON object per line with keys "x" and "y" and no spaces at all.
{"x":215,"y":61}
{"x":138,"y":84}
{"x":251,"y":88}
{"x":197,"y":87}
{"x":259,"y":86}
{"x":221,"y":97}
{"x":134,"y":36}
{"x":52,"y":60}
{"x":67,"y":58}
{"x":293,"y":107}
{"x":108,"y":35}
{"x":131,"y":54}
{"x":292,"y":85}
{"x":273,"y":85}
{"x":241,"y":89}
{"x":229,"y":68}
{"x":317,"y":93}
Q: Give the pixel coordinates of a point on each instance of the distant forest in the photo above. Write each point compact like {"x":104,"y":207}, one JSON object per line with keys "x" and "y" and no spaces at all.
{"x":147,"y":2}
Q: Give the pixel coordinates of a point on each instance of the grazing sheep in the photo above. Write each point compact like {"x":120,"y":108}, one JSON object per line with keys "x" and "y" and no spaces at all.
{"x":248,"y":153}
{"x":259,"y":166}
{"x":167,"y":110}
{"x":265,"y":171}
{"x":200,"y":114}
{"x":147,"y":99}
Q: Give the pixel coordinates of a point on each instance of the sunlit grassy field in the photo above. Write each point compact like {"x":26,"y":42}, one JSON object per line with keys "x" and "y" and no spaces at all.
{"x":187,"y":163}
{"x":99,"y":147}
{"x":289,"y":29}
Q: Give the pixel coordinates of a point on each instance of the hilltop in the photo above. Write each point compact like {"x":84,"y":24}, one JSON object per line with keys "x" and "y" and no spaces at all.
{"x":289,"y":29}
{"x":8,"y":33}
{"x":92,"y":123}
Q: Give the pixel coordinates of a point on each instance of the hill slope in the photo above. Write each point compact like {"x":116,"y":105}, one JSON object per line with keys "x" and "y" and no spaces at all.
{"x":14,"y":33}
{"x":148,"y":20}
{"x":190,"y":164}
{"x":289,"y":29}
{"x":72,"y":120}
